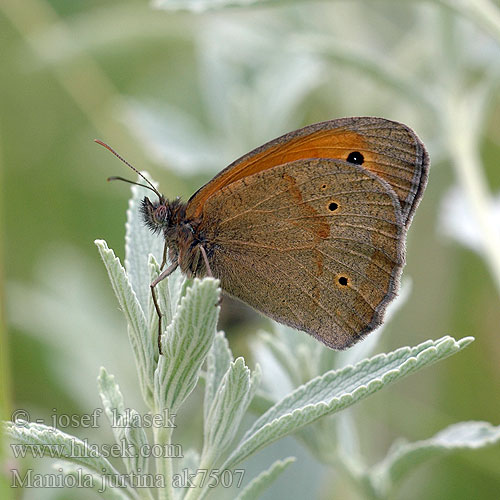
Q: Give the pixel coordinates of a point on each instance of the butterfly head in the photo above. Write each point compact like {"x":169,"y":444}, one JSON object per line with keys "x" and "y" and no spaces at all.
{"x":156,"y":215}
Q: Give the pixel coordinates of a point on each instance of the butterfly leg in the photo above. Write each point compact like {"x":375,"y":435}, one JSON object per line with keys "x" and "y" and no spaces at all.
{"x":205,"y":259}
{"x":209,"y":271}
{"x":164,"y":259}
{"x":170,"y":269}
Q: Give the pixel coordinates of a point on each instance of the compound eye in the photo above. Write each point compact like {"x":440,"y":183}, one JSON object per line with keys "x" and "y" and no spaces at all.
{"x":161,"y":213}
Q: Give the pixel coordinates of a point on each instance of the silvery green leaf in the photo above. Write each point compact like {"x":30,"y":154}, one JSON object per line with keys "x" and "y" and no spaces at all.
{"x":320,"y":438}
{"x":66,"y":302}
{"x":168,"y":293}
{"x":136,"y":439}
{"x":139,"y":243}
{"x":137,"y":327}
{"x":404,"y":457}
{"x":111,"y":396}
{"x":98,"y":483}
{"x":186,"y":344}
{"x":125,"y":424}
{"x":163,"y":298}
{"x":317,"y":359}
{"x":254,"y":489}
{"x":366,"y":347}
{"x":218,"y":361}
{"x":54,"y":443}
{"x":178,"y":284}
{"x":114,"y":407}
{"x":339,"y":389}
{"x":231,"y":401}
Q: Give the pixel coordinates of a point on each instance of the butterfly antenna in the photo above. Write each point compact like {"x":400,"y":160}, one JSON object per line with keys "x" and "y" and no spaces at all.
{"x":151,"y":186}
{"x":118,"y":178}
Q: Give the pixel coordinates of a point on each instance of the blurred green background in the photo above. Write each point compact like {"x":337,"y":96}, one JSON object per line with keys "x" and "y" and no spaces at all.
{"x":182,"y":94}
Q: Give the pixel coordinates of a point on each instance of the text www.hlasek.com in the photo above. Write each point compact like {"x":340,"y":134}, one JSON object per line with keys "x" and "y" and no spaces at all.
{"x":84,"y":449}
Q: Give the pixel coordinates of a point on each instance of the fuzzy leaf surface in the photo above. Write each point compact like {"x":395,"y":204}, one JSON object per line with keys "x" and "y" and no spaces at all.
{"x":339,"y":389}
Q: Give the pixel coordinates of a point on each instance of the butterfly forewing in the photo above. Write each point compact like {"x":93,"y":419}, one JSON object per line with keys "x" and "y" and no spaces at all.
{"x":387,"y":148}
{"x":315,"y":244}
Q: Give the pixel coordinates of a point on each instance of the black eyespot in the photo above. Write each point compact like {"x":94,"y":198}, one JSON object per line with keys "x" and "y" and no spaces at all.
{"x":356,"y":157}
{"x":343,"y":281}
{"x":324,"y":186}
{"x":333,"y":206}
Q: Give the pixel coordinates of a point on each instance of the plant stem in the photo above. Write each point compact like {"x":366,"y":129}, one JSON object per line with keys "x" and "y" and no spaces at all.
{"x":163,"y":438}
{"x":198,"y":492}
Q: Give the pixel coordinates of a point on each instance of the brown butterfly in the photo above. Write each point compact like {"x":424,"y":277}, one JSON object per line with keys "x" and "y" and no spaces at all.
{"x":308,"y":229}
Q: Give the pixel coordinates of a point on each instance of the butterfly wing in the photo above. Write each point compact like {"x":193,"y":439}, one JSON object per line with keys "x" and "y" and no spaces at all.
{"x":315,"y":244}
{"x":389,"y":149}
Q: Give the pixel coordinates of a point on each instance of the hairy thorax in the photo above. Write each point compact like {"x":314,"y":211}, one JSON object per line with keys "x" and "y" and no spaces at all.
{"x":182,"y":237}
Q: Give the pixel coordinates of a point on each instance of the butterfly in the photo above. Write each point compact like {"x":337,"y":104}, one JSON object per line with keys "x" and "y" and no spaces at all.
{"x":308,"y":229}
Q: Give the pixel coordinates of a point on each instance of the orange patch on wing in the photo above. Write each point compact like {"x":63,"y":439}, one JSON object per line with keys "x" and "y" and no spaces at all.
{"x":335,"y":144}
{"x":316,"y":223}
